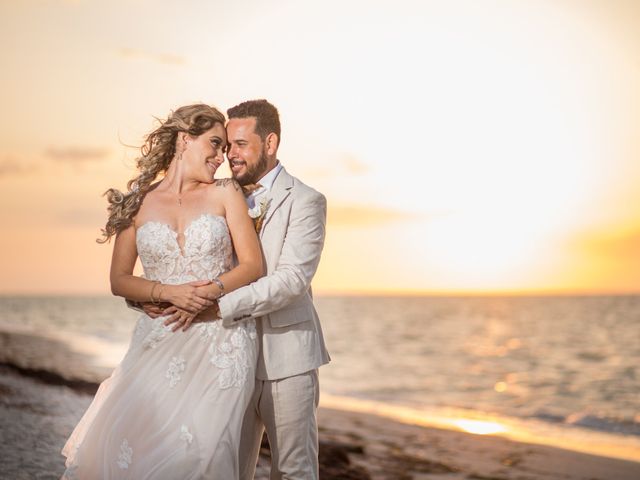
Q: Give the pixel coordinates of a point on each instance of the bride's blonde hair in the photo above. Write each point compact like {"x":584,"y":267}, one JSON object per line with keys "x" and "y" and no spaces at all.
{"x":157,"y":151}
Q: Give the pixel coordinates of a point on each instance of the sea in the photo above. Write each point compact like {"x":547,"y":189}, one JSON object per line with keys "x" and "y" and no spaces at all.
{"x":556,"y":370}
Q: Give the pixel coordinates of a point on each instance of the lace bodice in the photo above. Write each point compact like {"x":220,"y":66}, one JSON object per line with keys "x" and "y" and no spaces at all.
{"x":207,"y":250}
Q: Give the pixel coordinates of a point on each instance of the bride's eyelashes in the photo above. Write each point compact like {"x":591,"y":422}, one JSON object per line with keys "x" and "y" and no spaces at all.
{"x":218,"y":143}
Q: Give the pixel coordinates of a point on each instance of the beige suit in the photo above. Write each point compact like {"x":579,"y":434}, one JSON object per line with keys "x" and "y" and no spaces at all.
{"x":290,"y":337}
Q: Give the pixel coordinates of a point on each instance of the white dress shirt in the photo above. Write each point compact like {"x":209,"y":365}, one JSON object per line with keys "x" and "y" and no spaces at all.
{"x":266,"y":183}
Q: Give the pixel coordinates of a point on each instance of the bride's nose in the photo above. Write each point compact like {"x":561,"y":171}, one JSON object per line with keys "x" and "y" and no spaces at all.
{"x":219,"y":157}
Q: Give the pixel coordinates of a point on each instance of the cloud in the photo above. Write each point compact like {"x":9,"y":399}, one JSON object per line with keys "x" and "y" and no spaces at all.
{"x":623,"y":245}
{"x":93,"y":216}
{"x":76,"y":155}
{"x":361,"y":215}
{"x":612,"y":257}
{"x":11,"y":166}
{"x":164,"y":58}
{"x":339,"y":167}
{"x":354,"y":166}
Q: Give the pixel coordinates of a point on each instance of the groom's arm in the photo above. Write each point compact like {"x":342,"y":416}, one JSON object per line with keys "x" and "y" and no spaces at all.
{"x":137,"y":306}
{"x":298,"y":262}
{"x":147,"y":307}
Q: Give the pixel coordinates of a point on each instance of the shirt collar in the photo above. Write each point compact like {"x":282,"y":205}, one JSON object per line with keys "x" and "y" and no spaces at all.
{"x":270,"y":177}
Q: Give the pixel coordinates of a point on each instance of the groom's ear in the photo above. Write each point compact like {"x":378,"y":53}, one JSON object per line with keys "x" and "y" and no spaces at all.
{"x":272,"y":143}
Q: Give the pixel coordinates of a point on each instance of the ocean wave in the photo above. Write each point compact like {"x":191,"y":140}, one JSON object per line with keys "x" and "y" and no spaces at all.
{"x":604,"y":424}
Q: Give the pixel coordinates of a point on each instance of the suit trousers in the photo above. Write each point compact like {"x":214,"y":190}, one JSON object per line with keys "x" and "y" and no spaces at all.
{"x":286,"y":409}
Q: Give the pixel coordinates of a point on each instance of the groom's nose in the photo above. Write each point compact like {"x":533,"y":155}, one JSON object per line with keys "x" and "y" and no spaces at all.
{"x":232,"y":152}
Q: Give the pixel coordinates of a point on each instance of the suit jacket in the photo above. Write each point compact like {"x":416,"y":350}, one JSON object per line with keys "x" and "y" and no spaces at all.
{"x":292,"y":237}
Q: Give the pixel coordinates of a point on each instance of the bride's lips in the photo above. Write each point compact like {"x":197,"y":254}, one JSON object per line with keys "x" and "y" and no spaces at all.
{"x":211,"y":163}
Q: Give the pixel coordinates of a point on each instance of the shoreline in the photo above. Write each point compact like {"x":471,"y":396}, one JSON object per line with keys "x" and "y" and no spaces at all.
{"x":38,"y":414}
{"x":398,"y":450}
{"x":567,"y":437}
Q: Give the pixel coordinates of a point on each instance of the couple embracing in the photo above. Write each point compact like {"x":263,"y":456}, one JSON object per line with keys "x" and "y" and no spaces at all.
{"x":230,"y":343}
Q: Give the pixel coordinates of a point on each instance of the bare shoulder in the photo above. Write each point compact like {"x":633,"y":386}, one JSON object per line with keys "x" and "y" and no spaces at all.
{"x":149,"y":203}
{"x":152,"y":196}
{"x":151,"y":191}
{"x":225,"y":188}
{"x":226,"y":183}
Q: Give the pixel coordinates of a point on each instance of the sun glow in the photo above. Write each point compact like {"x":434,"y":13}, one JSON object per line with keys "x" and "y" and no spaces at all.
{"x":479,"y":427}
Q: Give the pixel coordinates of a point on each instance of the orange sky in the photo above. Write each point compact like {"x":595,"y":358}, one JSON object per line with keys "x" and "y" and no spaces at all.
{"x":463,"y":145}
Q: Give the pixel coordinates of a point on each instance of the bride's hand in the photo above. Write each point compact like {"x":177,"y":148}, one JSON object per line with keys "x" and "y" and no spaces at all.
{"x":188,"y":296}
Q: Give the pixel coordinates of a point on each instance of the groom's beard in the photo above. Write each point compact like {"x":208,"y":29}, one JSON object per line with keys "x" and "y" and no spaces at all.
{"x":254,"y":172}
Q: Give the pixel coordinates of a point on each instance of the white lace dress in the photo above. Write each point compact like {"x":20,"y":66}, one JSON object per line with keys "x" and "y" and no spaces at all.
{"x":173,"y":408}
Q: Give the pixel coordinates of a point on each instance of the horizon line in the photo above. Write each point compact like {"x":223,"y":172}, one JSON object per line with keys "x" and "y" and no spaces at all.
{"x":568,"y":292}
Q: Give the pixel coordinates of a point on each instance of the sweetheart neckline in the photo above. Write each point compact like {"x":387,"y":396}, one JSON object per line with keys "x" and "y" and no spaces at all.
{"x":172,"y":230}
{"x":176,"y":234}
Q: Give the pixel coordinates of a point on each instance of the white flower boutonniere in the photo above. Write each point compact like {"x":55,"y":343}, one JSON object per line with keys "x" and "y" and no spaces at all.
{"x":258,"y":213}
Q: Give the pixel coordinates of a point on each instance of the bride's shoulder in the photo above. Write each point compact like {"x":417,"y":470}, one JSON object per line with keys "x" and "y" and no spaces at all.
{"x":226,"y":183}
{"x":151,"y":193}
{"x":225,"y":186}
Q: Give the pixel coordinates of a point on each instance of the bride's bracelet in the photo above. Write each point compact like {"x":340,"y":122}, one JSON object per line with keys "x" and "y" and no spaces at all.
{"x":220,"y":285}
{"x":162,"y":285}
{"x":153,"y":300}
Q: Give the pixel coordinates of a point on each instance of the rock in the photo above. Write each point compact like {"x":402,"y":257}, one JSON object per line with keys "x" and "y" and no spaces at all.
{"x":333,"y":458}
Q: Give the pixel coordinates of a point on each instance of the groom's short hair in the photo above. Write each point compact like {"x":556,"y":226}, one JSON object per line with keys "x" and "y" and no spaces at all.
{"x":266,"y":115}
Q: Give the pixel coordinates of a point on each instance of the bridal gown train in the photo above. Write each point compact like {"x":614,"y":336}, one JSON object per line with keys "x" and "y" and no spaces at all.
{"x":173,"y":408}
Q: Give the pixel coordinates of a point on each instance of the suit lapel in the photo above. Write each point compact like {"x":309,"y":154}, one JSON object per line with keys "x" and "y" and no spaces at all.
{"x":280,"y":190}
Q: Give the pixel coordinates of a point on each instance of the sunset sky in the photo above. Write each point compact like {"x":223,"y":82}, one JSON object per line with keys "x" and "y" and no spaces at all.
{"x":463,"y":146}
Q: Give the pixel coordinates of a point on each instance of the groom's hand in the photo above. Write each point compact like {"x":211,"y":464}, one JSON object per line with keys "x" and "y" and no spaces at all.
{"x":183,"y":319}
{"x":180,"y":319}
{"x":154,"y":311}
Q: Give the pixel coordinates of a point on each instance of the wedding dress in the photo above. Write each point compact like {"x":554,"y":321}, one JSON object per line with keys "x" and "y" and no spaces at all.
{"x":173,"y":408}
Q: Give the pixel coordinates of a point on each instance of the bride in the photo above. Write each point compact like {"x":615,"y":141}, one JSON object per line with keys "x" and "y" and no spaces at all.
{"x":173,"y":408}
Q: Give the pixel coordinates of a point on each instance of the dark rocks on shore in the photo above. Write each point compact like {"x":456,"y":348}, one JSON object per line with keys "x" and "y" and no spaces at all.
{"x":53,"y":378}
{"x":51,"y":361}
{"x":333,"y":459}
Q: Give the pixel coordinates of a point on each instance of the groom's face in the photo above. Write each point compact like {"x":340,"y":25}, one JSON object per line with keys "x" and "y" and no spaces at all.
{"x":246,"y":151}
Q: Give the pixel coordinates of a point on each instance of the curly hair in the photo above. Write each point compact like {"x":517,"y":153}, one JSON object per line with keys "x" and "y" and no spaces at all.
{"x":157,"y":152}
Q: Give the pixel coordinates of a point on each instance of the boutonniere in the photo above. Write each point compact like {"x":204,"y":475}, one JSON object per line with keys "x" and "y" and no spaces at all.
{"x":258,"y":213}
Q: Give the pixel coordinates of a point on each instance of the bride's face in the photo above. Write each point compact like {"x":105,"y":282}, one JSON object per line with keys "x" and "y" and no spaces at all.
{"x":205,"y":153}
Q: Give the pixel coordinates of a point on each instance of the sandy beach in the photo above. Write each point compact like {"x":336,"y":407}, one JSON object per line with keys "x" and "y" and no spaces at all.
{"x":392,"y":450}
{"x":39,"y":407}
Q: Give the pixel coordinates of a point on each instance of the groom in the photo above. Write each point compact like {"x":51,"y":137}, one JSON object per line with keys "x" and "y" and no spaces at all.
{"x":290,"y":337}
